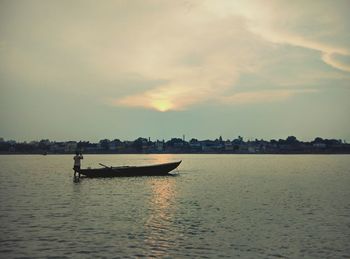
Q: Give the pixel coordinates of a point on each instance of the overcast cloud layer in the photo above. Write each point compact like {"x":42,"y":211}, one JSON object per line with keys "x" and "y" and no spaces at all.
{"x":72,"y":65}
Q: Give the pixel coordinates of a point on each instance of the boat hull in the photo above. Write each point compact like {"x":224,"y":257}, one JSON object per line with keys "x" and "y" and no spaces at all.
{"x":125,"y":171}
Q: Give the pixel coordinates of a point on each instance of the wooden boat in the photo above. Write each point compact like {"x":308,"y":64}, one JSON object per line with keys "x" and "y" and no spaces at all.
{"x":148,"y":170}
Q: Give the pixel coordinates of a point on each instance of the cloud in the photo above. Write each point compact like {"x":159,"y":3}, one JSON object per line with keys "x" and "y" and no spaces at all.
{"x":202,"y":58}
{"x":155,"y":54}
{"x":328,"y":52}
{"x":330,"y":59}
{"x":263,"y":96}
{"x":258,"y":23}
{"x":273,"y":24}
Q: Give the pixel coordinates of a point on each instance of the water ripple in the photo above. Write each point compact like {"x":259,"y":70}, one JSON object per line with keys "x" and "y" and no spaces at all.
{"x":219,"y":206}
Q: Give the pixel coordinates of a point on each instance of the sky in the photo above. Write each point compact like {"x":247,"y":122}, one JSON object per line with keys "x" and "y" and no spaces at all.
{"x":88,"y":70}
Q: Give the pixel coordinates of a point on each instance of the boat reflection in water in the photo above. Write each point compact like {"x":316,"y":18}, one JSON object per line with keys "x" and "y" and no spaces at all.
{"x":159,"y":226}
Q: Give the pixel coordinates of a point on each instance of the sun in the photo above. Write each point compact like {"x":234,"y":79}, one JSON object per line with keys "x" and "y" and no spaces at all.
{"x":162,"y":105}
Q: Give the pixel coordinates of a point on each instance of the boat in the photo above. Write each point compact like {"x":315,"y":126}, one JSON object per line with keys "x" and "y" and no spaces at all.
{"x":119,"y":171}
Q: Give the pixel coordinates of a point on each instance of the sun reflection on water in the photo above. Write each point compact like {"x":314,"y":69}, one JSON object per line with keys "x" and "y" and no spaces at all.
{"x":162,"y":158}
{"x":159,"y":224}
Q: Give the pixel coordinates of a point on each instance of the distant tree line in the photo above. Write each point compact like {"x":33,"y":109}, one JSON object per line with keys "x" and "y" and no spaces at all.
{"x":290,"y":145}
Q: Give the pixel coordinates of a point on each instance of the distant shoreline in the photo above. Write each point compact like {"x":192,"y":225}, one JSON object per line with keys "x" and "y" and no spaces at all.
{"x":186,"y":153}
{"x":291,"y":145}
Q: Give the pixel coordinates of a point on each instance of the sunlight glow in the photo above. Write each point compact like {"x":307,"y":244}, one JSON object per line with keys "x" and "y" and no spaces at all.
{"x":162,"y":105}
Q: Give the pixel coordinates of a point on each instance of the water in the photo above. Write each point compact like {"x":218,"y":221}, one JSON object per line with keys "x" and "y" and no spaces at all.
{"x":253,"y":206}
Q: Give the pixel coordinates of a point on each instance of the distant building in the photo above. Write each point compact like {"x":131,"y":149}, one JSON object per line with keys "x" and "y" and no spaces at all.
{"x":91,"y":148}
{"x":228,"y":146}
{"x":113,"y":145}
{"x":70,"y":147}
{"x":319,"y":145}
{"x":12,"y":142}
{"x":251,"y":149}
{"x":159,"y":146}
{"x":206,"y":145}
{"x":195,"y":145}
{"x":57,"y":147}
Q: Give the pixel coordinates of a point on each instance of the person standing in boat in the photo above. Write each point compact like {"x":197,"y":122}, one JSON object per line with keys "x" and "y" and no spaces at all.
{"x":78,"y":156}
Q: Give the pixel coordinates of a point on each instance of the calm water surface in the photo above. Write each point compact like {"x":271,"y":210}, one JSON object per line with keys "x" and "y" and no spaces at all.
{"x":253,"y":206}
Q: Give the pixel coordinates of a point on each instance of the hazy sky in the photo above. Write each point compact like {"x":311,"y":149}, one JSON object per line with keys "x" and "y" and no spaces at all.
{"x":87,"y":70}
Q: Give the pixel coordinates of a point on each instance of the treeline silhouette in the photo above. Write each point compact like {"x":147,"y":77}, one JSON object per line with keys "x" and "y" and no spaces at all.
{"x":290,"y":145}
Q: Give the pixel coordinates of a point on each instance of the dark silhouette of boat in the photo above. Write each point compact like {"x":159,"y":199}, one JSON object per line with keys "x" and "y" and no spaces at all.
{"x":148,"y":170}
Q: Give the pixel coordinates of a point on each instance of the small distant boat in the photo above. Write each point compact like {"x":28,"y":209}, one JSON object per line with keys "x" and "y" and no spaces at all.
{"x":148,"y":170}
